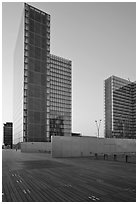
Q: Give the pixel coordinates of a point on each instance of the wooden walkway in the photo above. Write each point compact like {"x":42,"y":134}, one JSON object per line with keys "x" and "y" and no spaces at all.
{"x":66,"y":180}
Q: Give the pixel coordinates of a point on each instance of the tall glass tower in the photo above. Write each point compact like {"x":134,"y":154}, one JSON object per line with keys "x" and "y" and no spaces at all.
{"x":120,"y":108}
{"x":38,"y":107}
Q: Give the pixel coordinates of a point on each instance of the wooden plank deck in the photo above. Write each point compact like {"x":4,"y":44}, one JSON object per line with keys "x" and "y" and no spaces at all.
{"x":39,"y":178}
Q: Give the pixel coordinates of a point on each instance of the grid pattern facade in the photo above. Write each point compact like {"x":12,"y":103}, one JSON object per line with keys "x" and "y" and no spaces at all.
{"x":42,"y":82}
{"x":60,"y":96}
{"x":133,"y":114}
{"x":18,"y":83}
{"x":120,"y":108}
{"x":36,"y":74}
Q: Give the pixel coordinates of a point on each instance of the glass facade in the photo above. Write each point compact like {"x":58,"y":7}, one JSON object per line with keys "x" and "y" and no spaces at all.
{"x":60,"y":96}
{"x":120,"y":108}
{"x":18,"y":84}
{"x":42,"y":98}
{"x":36,"y":74}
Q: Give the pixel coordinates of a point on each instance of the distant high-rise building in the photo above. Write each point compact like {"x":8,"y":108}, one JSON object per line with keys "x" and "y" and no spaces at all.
{"x":120,"y":108}
{"x":8,"y":134}
{"x":42,"y":84}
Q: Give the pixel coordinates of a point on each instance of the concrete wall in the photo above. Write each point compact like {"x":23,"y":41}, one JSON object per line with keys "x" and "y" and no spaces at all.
{"x":36,"y":147}
{"x":87,"y":146}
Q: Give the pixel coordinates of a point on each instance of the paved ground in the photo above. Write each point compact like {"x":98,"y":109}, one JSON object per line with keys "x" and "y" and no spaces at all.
{"x":36,"y":177}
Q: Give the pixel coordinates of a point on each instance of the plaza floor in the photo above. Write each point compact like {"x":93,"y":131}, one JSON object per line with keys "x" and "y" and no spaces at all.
{"x":36,"y":177}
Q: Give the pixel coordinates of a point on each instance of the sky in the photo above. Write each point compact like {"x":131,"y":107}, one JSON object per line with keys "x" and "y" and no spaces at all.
{"x":100,"y":40}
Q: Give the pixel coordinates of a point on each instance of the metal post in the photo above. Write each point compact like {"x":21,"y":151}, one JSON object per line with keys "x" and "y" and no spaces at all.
{"x":98,"y":126}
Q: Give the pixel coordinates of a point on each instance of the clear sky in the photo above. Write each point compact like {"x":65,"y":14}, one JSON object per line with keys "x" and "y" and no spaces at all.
{"x":99,"y":38}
